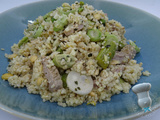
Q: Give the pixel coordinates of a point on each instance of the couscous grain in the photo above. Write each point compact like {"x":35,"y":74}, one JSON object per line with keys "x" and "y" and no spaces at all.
{"x":74,"y":54}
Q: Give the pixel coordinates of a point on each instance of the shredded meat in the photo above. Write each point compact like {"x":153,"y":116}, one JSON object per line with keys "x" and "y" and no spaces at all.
{"x":118,"y":68}
{"x":73,"y":29}
{"x":53,"y":76}
{"x":70,"y":32}
{"x":126,"y":54}
{"x":80,"y":27}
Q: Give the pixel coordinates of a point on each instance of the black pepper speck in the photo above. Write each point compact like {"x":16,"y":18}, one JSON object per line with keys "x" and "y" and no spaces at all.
{"x":107,"y":46}
{"x":90,"y":55}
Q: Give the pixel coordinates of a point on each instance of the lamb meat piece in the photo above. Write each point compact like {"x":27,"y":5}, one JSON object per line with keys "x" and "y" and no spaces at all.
{"x":53,"y":76}
{"x":127,"y":53}
{"x":80,"y":27}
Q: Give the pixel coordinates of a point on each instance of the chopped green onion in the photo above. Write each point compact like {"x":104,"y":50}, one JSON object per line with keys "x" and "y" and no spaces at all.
{"x":59,"y":50}
{"x":60,"y":11}
{"x":94,"y":34}
{"x":48,"y":19}
{"x":109,"y":38}
{"x":121,"y":45}
{"x":121,"y":80}
{"x":81,"y":3}
{"x":53,"y":20}
{"x":64,"y":61}
{"x":80,"y":9}
{"x":66,"y":8}
{"x":103,"y":21}
{"x":47,"y":15}
{"x":71,"y":11}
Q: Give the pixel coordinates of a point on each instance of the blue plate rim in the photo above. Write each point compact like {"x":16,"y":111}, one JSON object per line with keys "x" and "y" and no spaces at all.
{"x":29,"y":117}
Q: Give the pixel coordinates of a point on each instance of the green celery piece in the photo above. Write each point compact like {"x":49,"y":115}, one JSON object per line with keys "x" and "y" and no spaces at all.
{"x":109,"y":38}
{"x":47,"y":15}
{"x":135,"y":46}
{"x":59,"y":50}
{"x":64,"y":78}
{"x":48,"y":19}
{"x":60,"y":23}
{"x":91,"y":23}
{"x":23,"y":41}
{"x":94,"y":34}
{"x":71,"y":11}
{"x":39,"y":31}
{"x":121,"y":81}
{"x":60,"y":11}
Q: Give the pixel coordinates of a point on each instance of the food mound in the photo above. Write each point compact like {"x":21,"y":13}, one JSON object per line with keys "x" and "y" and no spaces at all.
{"x":72,"y":55}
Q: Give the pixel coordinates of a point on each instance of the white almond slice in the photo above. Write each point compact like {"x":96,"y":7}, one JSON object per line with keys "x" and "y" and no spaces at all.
{"x":80,"y":84}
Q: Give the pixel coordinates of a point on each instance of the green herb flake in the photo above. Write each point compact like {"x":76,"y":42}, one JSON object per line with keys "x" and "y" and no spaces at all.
{"x":81,"y":3}
{"x":75,"y":89}
{"x":78,"y":88}
{"x":76,"y":82}
{"x":80,"y":9}
{"x":24,"y":40}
